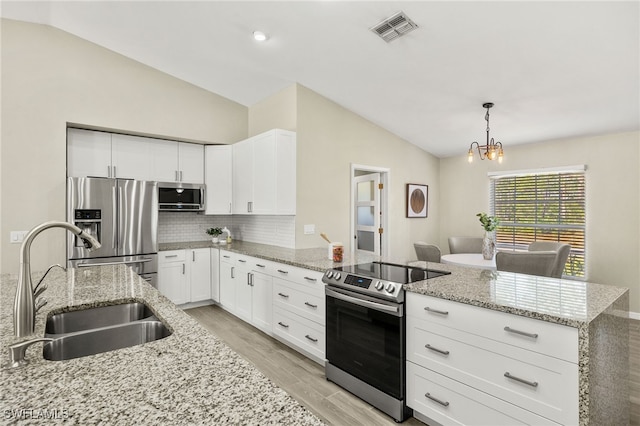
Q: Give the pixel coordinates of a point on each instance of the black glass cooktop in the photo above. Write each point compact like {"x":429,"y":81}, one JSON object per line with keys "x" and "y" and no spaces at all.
{"x":402,"y":274}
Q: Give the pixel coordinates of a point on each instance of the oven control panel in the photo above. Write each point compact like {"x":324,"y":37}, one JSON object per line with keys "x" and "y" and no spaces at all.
{"x":366,"y":285}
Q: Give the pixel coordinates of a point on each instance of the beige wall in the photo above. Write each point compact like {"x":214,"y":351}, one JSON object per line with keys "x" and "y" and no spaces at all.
{"x":50,"y":78}
{"x":612,"y":185}
{"x":330,"y":139}
{"x":275,"y":112}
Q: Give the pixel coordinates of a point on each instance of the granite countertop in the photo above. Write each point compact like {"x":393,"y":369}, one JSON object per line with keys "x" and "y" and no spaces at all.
{"x":190,"y":377}
{"x":568,"y":302}
{"x":315,"y":259}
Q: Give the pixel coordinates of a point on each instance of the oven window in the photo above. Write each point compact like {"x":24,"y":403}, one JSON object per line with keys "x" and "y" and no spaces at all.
{"x":367,"y":344}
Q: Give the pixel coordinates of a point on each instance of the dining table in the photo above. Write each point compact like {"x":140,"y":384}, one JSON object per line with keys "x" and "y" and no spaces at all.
{"x":471,"y":260}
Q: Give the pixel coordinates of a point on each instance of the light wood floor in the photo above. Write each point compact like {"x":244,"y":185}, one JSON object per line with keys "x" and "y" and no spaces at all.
{"x":304,"y":379}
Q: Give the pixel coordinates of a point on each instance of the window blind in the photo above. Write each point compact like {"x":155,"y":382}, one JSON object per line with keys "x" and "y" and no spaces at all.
{"x":541,"y":207}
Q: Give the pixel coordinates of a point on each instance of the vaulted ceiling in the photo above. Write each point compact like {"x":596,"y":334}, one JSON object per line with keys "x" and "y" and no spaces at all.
{"x":552,"y":69}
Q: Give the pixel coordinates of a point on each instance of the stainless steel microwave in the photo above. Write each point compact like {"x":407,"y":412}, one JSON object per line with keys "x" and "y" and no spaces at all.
{"x":182,"y":197}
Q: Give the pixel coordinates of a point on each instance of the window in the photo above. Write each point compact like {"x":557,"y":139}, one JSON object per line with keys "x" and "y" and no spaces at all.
{"x":541,"y":206}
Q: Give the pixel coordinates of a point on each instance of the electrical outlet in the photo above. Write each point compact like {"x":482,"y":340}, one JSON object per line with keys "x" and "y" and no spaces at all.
{"x":309,"y":229}
{"x":16,"y":237}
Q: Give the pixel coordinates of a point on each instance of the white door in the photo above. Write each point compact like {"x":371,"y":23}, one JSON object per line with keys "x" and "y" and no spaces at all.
{"x":130,"y":157}
{"x":368,"y":232}
{"x":242,"y":176}
{"x":218,"y":178}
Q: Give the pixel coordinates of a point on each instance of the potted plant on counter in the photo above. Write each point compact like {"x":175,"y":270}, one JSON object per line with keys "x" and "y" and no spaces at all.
{"x":215,"y":233}
{"x":489,"y":223}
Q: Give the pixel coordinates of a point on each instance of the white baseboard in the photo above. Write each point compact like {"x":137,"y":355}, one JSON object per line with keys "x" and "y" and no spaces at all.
{"x":634,"y":315}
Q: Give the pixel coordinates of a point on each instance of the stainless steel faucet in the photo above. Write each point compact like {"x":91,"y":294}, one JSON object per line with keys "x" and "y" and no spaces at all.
{"x":24,"y":306}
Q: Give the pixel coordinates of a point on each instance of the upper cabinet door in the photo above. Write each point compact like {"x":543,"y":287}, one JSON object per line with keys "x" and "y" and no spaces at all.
{"x":191,"y":162}
{"x":131,"y":157}
{"x":218,"y":178}
{"x":88,"y":153}
{"x":165,"y":161}
{"x":286,"y":173}
{"x":242,"y":177}
{"x":264,"y":174}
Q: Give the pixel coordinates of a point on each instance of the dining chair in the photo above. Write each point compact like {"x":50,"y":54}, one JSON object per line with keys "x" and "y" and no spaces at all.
{"x":539,"y":263}
{"x":562,"y":254}
{"x":465,"y":245}
{"x":427,"y":252}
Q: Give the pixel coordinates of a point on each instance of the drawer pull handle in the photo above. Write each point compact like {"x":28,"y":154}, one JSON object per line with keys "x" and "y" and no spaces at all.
{"x":518,"y":379}
{"x":522,"y":333}
{"x":439,"y":401}
{"x":311,"y":338}
{"x":228,"y":257}
{"x":311,"y":279}
{"x":435,"y":311}
{"x":431,"y":348}
{"x":283,"y":271}
{"x":311,"y":305}
{"x":171,"y":255}
{"x":259,"y":265}
{"x":286,"y":296}
{"x":283,"y":325}
{"x":242,"y":260}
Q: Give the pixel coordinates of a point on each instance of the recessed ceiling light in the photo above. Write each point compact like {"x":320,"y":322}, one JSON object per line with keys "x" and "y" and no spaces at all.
{"x":259,"y":36}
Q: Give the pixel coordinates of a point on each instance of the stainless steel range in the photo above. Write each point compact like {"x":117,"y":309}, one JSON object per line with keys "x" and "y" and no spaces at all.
{"x":365,"y":334}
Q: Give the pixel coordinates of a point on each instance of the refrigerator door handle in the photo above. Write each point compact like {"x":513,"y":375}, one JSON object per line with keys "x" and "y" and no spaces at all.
{"x":114,"y":228}
{"x":124,"y":262}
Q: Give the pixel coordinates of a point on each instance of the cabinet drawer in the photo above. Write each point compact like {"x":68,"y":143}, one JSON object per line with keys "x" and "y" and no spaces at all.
{"x":540,"y":336}
{"x":302,"y":333}
{"x":306,"y":277}
{"x":545,"y":385}
{"x":171,"y":256}
{"x":292,"y":298}
{"x":452,"y":403}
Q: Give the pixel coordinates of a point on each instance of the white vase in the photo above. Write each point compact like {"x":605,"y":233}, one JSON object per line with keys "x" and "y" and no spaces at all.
{"x":489,"y":245}
{"x":215,"y":240}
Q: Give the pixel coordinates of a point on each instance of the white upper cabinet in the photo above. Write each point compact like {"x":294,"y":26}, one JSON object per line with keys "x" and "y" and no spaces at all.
{"x":178,"y":162}
{"x":112,"y":155}
{"x":264,"y":174}
{"x":191,"y":162}
{"x":88,"y":153}
{"x":131,"y":157}
{"x":218,"y":161}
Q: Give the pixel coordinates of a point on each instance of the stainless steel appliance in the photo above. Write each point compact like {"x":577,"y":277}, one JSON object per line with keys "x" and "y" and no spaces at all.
{"x":178,"y":196}
{"x":365,"y":332}
{"x":122,"y":215}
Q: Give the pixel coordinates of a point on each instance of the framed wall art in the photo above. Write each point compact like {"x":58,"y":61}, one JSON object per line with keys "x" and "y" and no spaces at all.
{"x":417,"y":200}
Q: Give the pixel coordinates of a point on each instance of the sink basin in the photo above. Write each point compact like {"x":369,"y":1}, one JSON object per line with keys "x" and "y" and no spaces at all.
{"x":91,"y":342}
{"x":102,"y":316}
{"x":102,"y":329}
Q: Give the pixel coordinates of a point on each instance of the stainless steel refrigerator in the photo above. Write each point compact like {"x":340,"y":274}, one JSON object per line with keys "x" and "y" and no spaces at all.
{"x":123,"y":215}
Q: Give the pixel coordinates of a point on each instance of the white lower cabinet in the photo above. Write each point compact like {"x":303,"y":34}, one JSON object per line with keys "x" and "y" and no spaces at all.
{"x":281,"y":300}
{"x":245,"y":290}
{"x":185,"y":275}
{"x":299,"y":310}
{"x":468,"y":365}
{"x":172,"y":276}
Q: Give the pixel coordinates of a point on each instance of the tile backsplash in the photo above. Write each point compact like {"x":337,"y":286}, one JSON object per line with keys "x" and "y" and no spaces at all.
{"x":190,"y":226}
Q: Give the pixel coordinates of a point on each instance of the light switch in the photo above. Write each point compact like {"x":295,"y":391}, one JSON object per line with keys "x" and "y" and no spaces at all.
{"x":16,"y":237}
{"x":309,"y":229}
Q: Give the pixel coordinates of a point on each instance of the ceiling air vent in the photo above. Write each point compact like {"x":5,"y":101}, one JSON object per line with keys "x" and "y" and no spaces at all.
{"x":394,"y":27}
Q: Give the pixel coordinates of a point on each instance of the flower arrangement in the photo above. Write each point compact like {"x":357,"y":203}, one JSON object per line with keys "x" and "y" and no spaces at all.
{"x":214,"y":232}
{"x":489,"y":223}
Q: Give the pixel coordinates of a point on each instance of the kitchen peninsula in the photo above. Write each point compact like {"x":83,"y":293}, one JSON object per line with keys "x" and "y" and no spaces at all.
{"x":189,"y":377}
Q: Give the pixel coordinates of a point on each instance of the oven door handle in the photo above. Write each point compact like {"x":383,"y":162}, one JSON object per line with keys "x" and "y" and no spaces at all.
{"x":362,"y":302}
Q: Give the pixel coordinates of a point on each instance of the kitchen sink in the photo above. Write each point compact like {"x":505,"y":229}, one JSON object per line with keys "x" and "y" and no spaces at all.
{"x":102,"y":329}
{"x":102,"y":316}
{"x":91,"y":342}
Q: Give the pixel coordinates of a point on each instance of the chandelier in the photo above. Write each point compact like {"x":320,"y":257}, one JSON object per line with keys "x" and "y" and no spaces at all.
{"x":491,"y":150}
